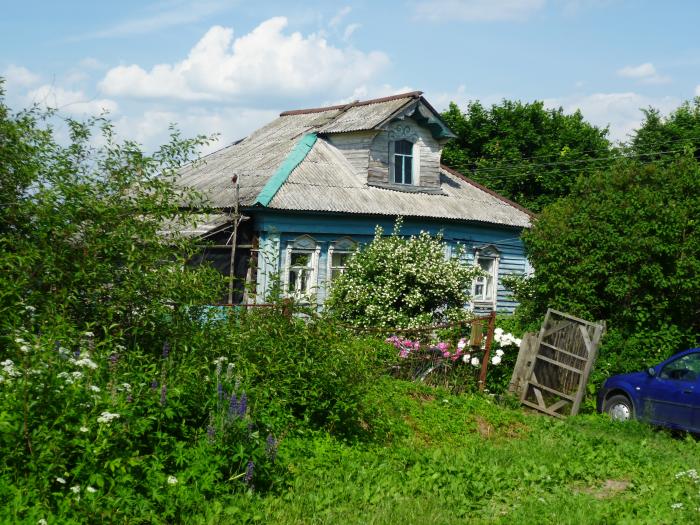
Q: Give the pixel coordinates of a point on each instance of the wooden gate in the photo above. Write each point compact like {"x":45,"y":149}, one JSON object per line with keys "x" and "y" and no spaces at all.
{"x":557,"y":374}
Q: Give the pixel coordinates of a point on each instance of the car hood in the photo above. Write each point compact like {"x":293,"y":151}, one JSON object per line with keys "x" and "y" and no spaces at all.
{"x":631,"y":378}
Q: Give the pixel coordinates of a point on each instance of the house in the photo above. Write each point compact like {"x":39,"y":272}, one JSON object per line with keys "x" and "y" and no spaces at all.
{"x":314,"y":183}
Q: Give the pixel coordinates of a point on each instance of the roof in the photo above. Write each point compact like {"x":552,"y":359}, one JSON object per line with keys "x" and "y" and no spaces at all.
{"x":288,"y":165}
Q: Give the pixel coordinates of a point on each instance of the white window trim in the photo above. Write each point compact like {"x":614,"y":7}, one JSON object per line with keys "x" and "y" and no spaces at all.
{"x":491,"y":253}
{"x":312,"y":281}
{"x":334,"y":248}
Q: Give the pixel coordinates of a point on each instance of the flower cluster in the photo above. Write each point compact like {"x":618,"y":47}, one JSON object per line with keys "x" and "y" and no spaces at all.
{"x":8,"y":370}
{"x":107,"y":417}
{"x":505,"y":339}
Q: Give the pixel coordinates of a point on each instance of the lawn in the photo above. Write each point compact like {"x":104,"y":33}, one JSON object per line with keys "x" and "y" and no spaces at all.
{"x":455,"y":459}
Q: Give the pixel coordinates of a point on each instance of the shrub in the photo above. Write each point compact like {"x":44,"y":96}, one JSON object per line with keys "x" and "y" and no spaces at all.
{"x":401,"y":282}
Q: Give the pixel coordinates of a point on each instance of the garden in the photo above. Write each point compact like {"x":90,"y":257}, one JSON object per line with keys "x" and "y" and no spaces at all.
{"x":125,"y":399}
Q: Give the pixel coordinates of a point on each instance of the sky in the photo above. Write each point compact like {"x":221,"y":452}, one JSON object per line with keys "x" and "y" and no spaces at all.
{"x":228,"y":66}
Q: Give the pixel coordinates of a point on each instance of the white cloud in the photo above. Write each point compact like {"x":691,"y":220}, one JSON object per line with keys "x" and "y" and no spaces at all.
{"x":621,"y":111}
{"x":73,"y":102}
{"x":477,"y":10}
{"x":231,"y":124}
{"x":19,"y":76}
{"x":167,"y":14}
{"x":645,"y":72}
{"x":263,"y":64}
{"x":91,"y":63}
{"x":349,"y":30}
{"x":335,"y":21}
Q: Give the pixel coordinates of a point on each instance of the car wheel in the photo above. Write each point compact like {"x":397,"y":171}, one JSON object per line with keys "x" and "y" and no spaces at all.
{"x":619,"y":408}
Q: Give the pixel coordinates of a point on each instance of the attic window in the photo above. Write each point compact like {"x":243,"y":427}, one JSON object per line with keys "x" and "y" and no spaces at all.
{"x":403,"y":162}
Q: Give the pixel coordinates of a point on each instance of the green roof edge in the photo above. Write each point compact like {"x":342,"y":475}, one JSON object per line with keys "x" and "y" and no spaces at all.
{"x":291,"y":161}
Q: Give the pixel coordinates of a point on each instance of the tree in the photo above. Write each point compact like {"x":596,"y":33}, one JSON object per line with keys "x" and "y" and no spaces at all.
{"x":662,"y":137}
{"x":82,"y":232}
{"x":396,"y":281}
{"x":527,"y":153}
{"x":624,"y":247}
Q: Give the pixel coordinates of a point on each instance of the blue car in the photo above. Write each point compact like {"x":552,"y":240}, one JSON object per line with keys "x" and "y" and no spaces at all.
{"x":667,"y":394}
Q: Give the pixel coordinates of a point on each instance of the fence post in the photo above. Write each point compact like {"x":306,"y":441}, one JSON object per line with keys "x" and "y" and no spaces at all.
{"x":487,"y":351}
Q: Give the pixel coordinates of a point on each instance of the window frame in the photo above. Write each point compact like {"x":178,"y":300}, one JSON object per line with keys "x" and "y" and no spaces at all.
{"x":404,"y":132}
{"x":491,"y":254}
{"x":344,"y":245}
{"x":302,"y":245}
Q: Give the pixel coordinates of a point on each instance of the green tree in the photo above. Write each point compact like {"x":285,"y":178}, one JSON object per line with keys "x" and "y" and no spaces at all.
{"x":396,"y":281}
{"x":524,"y":151}
{"x":662,"y":137}
{"x":624,"y":247}
{"x":82,"y":232}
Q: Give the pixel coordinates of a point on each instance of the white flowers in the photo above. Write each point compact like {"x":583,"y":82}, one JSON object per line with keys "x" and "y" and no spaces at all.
{"x":42,"y":521}
{"x":75,"y":489}
{"x":124,"y":386}
{"x":84,"y":362}
{"x":496,"y":360}
{"x":505,"y":339}
{"x":8,"y":367}
{"x":91,"y":490}
{"x":61,"y":481}
{"x":107,"y":417}
{"x":84,"y":429}
{"x":94,"y":388}
{"x":172,"y":480}
{"x":677,"y":506}
{"x":475,"y":361}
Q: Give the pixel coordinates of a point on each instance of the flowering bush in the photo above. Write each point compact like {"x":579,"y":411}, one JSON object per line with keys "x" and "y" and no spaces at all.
{"x":401,"y":282}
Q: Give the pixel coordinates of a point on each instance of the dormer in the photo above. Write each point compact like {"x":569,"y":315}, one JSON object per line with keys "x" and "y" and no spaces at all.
{"x":393,"y":143}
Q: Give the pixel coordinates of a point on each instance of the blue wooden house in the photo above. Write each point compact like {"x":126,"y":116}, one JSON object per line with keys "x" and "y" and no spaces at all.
{"x":314,"y":184}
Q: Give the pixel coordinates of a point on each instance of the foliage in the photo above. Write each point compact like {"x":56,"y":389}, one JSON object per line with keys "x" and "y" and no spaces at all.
{"x":624,"y":247}
{"x":525,"y":152}
{"x":81,"y":235}
{"x":659,"y":137}
{"x":401,"y":282}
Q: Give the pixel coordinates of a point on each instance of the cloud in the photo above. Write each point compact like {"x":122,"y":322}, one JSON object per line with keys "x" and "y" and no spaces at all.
{"x":73,"y":102}
{"x":476,"y":10}
{"x":151,"y":128}
{"x":644,"y":72}
{"x":335,"y":21}
{"x":264,"y":64}
{"x":697,"y":90}
{"x":349,"y":30}
{"x":621,"y":111}
{"x":19,"y":76}
{"x":169,"y":14}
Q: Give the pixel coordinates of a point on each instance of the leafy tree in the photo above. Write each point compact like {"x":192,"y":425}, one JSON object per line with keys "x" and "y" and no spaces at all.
{"x":624,"y":247}
{"x":660,"y":137}
{"x":82,"y":226}
{"x":397,"y":281}
{"x":527,"y":153}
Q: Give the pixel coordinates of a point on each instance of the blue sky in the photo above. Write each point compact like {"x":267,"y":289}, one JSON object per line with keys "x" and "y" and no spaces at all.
{"x":228,"y":67}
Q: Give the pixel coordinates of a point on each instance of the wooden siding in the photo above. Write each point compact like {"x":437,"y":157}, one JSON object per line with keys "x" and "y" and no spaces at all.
{"x":355,"y":147}
{"x":277,"y":229}
{"x":429,"y":153}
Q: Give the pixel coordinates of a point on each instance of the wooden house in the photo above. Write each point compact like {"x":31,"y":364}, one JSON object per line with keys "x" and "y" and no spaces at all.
{"x":314,"y":183}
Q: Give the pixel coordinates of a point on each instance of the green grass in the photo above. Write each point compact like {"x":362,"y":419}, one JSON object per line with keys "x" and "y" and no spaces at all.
{"x":441,"y":459}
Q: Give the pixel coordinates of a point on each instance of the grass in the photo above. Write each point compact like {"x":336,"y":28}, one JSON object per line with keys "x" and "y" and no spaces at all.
{"x":442,"y":459}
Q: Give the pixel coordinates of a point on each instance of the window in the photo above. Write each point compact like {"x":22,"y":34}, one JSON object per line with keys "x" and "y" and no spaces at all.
{"x":339,"y":254}
{"x":686,"y":368}
{"x":403,"y":162}
{"x":300,"y":267}
{"x":485,"y":286}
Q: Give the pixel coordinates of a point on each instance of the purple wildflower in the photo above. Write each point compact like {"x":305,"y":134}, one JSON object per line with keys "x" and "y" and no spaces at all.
{"x":76,"y":353}
{"x":129,"y":398}
{"x":220,"y":391}
{"x":233,"y":406}
{"x":163,"y":394}
{"x":154,"y":385}
{"x":243,"y":405}
{"x":113,"y":358}
{"x":250,"y":467}
{"x":166,"y":349}
{"x":271,"y":447}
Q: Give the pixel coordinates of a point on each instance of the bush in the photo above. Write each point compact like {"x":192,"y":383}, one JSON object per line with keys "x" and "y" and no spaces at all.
{"x":401,"y":282}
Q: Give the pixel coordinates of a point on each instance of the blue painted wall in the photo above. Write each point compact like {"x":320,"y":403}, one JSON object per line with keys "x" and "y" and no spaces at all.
{"x":275,"y":230}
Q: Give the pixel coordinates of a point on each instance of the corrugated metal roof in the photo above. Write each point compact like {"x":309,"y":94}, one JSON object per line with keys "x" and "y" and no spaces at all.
{"x":325,"y":180}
